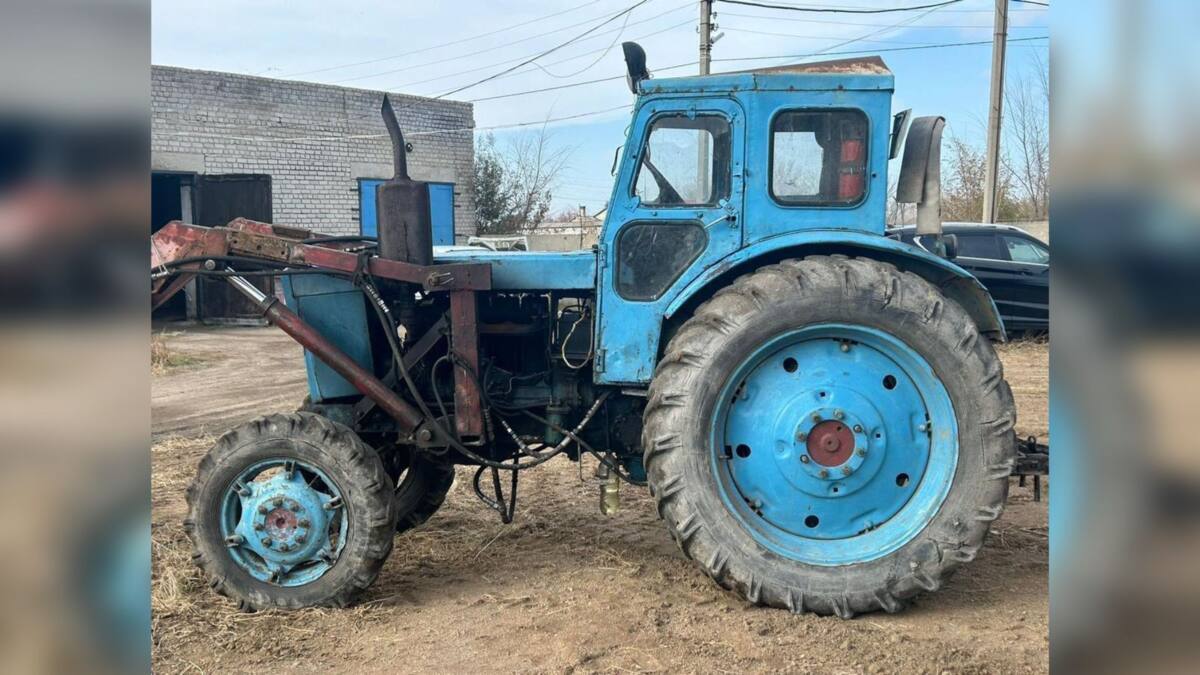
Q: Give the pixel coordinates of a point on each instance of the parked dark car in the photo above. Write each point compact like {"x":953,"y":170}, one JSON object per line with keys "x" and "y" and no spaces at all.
{"x":1013,"y":264}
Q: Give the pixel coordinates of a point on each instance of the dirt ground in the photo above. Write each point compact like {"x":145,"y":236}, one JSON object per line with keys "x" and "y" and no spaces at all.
{"x":563,"y":588}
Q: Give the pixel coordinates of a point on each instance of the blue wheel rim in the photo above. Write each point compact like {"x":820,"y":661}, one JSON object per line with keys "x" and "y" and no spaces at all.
{"x":284,"y":521}
{"x":857,"y":497}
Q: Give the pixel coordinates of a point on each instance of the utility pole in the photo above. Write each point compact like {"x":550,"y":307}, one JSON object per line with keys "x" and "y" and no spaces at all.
{"x":996,"y":107}
{"x":706,"y":29}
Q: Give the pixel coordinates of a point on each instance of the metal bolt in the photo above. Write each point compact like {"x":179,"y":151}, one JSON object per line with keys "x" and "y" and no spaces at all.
{"x":816,"y":417}
{"x":424,"y":435}
{"x":262,"y":508}
{"x":258,"y":526}
{"x":266,"y":541}
{"x":846,"y":471}
{"x":804,"y":459}
{"x":845,"y":346}
{"x":838,"y":414}
{"x":823,"y":474}
{"x":858,"y":428}
{"x":294,"y":507}
{"x":285,"y":547}
{"x":278,"y":501}
{"x":801,"y":436}
{"x":861,"y":452}
{"x":303,"y":522}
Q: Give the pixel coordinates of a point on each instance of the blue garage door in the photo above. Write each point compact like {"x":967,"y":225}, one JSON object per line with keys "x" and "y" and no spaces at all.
{"x":441,"y":209}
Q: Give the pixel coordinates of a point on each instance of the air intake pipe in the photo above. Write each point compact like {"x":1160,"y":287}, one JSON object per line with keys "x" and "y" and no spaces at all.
{"x":405,"y":229}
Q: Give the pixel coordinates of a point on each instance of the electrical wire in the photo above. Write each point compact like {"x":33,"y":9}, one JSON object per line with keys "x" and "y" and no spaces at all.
{"x":547,"y":52}
{"x":839,"y":10}
{"x":878,"y":51}
{"x":493,"y":64}
{"x":454,"y":42}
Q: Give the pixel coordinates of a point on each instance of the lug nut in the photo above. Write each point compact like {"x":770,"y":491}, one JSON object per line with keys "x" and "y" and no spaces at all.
{"x":804,"y":459}
{"x":258,"y":526}
{"x":823,"y":474}
{"x":816,"y":417}
{"x":278,"y":501}
{"x":285,"y":547}
{"x":861,"y":452}
{"x":801,"y":436}
{"x":846,"y":471}
{"x":845,"y":346}
{"x":301,"y":539}
{"x":266,"y":541}
{"x":303,"y":522}
{"x":262,"y":508}
{"x":858,"y":428}
{"x":295,"y":507}
{"x":838,"y":414}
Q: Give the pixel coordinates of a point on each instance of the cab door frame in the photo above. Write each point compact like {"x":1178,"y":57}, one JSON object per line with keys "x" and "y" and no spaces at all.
{"x":627,"y":331}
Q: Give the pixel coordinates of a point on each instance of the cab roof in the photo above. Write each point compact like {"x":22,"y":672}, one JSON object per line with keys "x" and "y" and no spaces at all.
{"x":867,"y":73}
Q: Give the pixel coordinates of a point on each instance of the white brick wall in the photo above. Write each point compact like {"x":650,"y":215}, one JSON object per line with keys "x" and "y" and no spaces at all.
{"x":216,"y":123}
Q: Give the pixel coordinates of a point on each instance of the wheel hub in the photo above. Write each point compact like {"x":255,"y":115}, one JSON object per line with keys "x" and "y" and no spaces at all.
{"x":281,"y":528}
{"x":830,"y":443}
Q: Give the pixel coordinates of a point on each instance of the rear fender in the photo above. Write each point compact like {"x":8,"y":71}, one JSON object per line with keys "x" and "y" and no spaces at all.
{"x":953,"y":280}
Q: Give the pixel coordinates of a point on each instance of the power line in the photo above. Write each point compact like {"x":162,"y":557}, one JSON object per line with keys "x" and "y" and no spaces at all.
{"x":544,"y":53}
{"x":554,"y":63}
{"x":875,"y":51}
{"x":523,"y":40}
{"x":813,"y":37}
{"x":853,"y":23}
{"x":840,"y":10}
{"x":1033,"y":2}
{"x":454,"y":42}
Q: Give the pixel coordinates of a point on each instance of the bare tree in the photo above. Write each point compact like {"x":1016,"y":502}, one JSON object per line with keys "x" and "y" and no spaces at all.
{"x":963,"y":170}
{"x":515,"y":185}
{"x":1027,"y":104}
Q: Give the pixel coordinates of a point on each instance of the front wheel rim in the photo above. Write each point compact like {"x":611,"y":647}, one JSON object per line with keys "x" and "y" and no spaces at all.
{"x":834,"y":444}
{"x":284,"y":521}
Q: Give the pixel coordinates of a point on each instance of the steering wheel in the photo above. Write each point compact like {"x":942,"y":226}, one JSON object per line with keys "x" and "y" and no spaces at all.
{"x":666,"y":192}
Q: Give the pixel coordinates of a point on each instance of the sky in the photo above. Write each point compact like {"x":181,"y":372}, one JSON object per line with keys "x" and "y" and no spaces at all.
{"x":432,"y":48}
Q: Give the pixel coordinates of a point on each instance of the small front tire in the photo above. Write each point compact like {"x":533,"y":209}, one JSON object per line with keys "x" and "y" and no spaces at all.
{"x":291,"y":511}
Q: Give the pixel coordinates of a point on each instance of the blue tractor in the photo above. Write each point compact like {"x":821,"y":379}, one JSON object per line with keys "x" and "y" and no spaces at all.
{"x":816,"y":409}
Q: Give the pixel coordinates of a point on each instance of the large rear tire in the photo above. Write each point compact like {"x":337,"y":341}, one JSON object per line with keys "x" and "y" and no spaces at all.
{"x":829,"y":435}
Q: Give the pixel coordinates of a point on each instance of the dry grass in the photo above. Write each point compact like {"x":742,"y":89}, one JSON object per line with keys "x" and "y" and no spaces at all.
{"x":163,"y":358}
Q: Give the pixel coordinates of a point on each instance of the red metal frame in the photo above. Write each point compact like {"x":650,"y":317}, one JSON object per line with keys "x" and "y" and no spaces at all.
{"x":247,"y":238}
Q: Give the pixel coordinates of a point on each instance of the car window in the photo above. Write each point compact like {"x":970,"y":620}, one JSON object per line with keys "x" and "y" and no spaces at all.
{"x":685,"y":161}
{"x":1024,"y":250}
{"x":978,"y":246}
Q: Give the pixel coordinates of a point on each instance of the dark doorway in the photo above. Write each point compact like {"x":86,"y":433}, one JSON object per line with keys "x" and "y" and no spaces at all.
{"x":170,"y":196}
{"x":218,"y":200}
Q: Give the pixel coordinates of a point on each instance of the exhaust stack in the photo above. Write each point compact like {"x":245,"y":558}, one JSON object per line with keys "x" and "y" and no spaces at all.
{"x":405,"y":229}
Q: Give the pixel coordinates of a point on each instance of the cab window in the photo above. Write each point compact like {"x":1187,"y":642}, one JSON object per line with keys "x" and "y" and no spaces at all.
{"x":1024,"y":250}
{"x":819,"y":157}
{"x":685,"y":162}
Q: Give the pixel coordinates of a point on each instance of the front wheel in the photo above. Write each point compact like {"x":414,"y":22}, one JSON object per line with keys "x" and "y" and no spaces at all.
{"x":829,"y":434}
{"x":291,"y":511}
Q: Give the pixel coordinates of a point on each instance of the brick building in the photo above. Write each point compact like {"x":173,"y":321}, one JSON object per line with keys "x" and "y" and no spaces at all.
{"x":295,"y":153}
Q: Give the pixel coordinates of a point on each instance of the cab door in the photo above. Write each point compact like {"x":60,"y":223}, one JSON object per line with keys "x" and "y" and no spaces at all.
{"x":676,"y":210}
